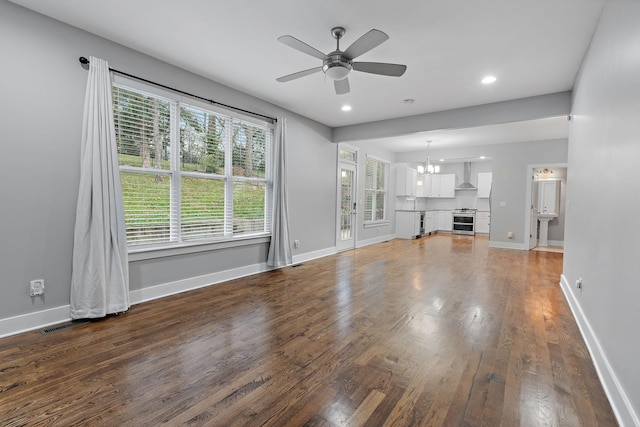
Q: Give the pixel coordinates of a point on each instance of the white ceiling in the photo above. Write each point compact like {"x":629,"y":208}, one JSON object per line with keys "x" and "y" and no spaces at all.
{"x":533,"y":47}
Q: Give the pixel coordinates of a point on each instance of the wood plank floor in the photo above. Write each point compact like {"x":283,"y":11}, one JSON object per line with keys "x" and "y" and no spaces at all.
{"x":441,"y":331}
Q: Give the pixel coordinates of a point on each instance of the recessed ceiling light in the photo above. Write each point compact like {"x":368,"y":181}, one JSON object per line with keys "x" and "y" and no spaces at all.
{"x":442,"y":160}
{"x":483,"y":157}
{"x":346,"y":108}
{"x":488,"y":80}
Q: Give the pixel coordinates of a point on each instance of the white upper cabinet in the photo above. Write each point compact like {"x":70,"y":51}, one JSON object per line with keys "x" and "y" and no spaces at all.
{"x":484,"y":184}
{"x":406,"y":181}
{"x":420,"y":188}
{"x":440,"y":185}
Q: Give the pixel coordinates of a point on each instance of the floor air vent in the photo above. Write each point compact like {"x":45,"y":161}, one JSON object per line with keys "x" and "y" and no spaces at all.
{"x":62,"y":326}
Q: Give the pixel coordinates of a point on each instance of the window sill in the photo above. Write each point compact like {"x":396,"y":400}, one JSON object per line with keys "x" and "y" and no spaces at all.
{"x":153,"y":252}
{"x":376,"y":223}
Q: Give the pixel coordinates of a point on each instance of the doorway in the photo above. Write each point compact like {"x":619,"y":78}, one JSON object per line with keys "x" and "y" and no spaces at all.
{"x":550,"y":236}
{"x":347,"y":215}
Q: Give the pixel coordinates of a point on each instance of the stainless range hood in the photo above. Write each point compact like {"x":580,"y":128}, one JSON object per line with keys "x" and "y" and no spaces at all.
{"x":466,"y":178}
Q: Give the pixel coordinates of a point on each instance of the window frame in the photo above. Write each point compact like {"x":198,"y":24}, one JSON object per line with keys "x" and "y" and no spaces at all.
{"x":372,"y":222}
{"x":178,"y":245}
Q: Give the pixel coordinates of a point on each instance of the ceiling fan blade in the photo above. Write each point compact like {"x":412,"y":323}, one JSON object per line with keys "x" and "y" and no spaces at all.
{"x":341,"y":86}
{"x":299,"y":74}
{"x":365,"y":43}
{"x":394,"y":70}
{"x":301,"y":46}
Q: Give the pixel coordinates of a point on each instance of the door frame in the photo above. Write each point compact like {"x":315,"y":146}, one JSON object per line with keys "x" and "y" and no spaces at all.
{"x":352,"y":165}
{"x":529,"y":200}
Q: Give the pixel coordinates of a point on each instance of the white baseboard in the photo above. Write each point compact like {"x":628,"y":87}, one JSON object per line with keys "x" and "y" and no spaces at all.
{"x":297,"y":259}
{"x":373,"y":241}
{"x":556,"y":243}
{"x":166,"y":289}
{"x":507,"y":245}
{"x":40,"y":319}
{"x":619,"y":400}
{"x":43,"y":318}
{"x":36,"y":320}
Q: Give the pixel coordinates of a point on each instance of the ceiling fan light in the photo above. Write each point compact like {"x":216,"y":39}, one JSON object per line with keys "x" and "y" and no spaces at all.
{"x":336,"y":71}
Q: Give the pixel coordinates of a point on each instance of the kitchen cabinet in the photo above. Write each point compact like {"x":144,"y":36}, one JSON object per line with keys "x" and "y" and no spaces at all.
{"x":430,"y":221}
{"x":408,"y":224}
{"x":406,"y":181}
{"x":484,"y":184}
{"x":420,"y":190}
{"x":483,"y":222}
{"x":445,"y":221}
{"x":440,"y":185}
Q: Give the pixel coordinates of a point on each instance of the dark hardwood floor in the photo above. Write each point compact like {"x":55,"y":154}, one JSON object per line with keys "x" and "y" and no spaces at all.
{"x":441,"y":331}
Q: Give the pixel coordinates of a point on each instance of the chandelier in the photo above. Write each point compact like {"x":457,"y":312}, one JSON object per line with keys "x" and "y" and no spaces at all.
{"x":428,"y":168}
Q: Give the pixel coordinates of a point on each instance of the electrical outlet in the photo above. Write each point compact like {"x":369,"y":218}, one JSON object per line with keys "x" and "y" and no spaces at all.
{"x":36,"y":287}
{"x":296,"y":243}
{"x":579,"y":283}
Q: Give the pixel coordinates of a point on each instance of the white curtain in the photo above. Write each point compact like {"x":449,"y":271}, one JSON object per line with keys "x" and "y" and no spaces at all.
{"x":100,"y":278}
{"x":280,"y":246}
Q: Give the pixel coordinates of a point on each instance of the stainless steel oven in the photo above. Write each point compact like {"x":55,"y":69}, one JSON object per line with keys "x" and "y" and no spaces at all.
{"x":464,"y":221}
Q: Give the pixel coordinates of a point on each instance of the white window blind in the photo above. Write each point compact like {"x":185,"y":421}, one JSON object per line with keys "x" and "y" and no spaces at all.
{"x":375,"y":190}
{"x":189,"y":174}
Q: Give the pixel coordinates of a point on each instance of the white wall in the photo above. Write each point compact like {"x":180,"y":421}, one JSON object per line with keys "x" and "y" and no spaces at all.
{"x":602,"y":192}
{"x":43,"y":87}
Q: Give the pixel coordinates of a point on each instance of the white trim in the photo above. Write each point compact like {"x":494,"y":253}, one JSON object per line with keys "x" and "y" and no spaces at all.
{"x":556,"y":243}
{"x":379,"y":159}
{"x":297,"y":259}
{"x":620,"y":403}
{"x":167,"y":289}
{"x":353,"y":167}
{"x":30,"y":321}
{"x":507,"y":245}
{"x":378,"y":223}
{"x":373,"y":241}
{"x":40,"y":319}
{"x":138,"y":253}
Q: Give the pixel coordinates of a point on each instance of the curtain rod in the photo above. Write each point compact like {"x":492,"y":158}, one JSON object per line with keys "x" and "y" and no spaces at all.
{"x":85,"y":61}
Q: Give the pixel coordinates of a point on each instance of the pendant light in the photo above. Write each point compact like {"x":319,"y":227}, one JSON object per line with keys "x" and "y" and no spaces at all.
{"x":428,"y":168}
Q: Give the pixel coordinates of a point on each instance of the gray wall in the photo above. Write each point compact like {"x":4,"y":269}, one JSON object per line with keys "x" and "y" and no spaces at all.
{"x":384,"y":230}
{"x":509,"y":182}
{"x":601,"y":246}
{"x":43,"y":89}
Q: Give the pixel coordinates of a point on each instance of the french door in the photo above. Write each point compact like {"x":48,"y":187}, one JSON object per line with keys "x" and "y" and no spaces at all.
{"x":347,"y":207}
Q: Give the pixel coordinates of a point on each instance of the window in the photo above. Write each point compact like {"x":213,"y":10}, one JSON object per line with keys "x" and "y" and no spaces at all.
{"x":187,"y":173}
{"x":375,"y":185}
{"x":347,"y":154}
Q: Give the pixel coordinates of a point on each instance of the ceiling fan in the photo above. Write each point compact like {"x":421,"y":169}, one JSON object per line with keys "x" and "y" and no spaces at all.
{"x":338,"y":64}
